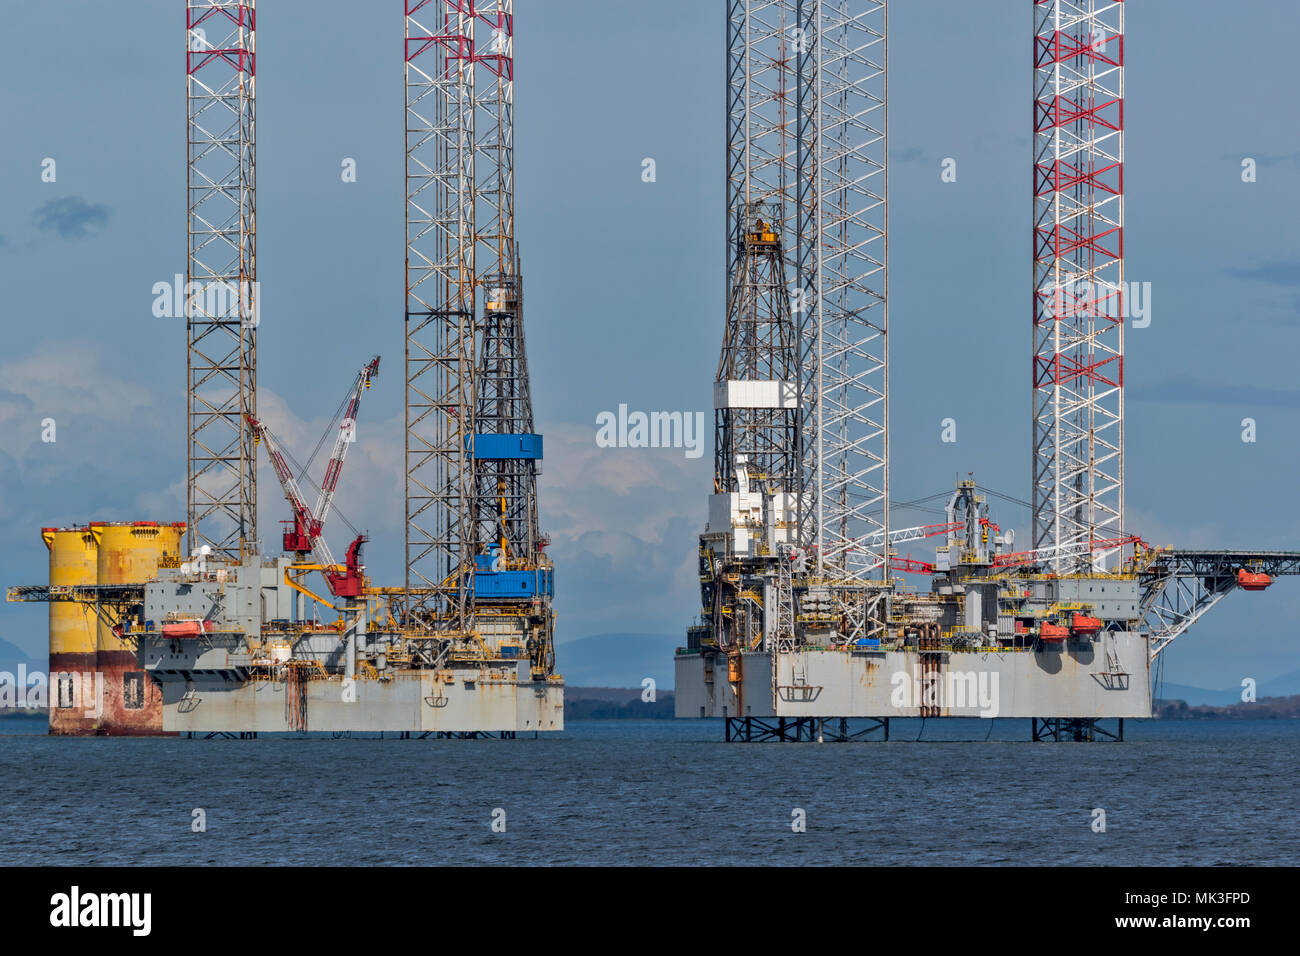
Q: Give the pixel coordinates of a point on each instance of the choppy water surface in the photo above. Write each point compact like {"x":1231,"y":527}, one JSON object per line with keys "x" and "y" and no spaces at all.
{"x":659,"y":792}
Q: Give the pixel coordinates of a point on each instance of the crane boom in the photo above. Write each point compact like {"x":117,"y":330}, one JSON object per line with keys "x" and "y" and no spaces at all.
{"x":1019,"y":558}
{"x":307,"y":535}
{"x":874,"y":540}
{"x":347,"y":431}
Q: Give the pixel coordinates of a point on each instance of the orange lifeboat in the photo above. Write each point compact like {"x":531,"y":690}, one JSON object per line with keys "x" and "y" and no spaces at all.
{"x":1053,"y":632}
{"x":1252,"y":580}
{"x":186,"y":628}
{"x":1085,"y":624}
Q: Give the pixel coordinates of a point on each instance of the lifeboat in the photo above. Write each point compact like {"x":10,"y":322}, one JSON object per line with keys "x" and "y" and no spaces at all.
{"x":186,"y":628}
{"x":1085,"y":624}
{"x":1252,"y":580}
{"x":1053,"y":632}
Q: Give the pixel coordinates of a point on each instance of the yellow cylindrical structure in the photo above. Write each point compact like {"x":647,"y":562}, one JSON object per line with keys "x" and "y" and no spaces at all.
{"x":127,"y":552}
{"x":73,"y":640}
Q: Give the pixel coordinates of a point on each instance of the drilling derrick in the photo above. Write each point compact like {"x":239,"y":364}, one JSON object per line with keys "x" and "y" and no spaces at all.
{"x":758,"y":346}
{"x":221,"y":300}
{"x":514,"y":578}
{"x":477,"y":573}
{"x":756,"y":440}
{"x":505,"y":472}
{"x":793,"y":558}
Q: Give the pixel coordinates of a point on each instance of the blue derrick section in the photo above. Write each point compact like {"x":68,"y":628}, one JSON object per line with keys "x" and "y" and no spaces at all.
{"x":511,"y":584}
{"x":505,"y":446}
{"x":517,"y":585}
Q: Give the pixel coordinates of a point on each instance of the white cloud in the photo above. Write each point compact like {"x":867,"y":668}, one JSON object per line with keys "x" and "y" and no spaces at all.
{"x":71,"y":385}
{"x":622,"y":522}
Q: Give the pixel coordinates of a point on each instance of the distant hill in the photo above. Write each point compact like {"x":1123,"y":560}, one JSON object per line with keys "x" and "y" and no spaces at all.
{"x":11,"y":655}
{"x":613,"y":703}
{"x":1265,"y":708}
{"x":606,"y":695}
{"x":618,"y":660}
{"x":1284,"y":686}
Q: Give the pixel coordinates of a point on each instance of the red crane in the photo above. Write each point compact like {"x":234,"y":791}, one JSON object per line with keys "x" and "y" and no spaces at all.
{"x":304,"y":534}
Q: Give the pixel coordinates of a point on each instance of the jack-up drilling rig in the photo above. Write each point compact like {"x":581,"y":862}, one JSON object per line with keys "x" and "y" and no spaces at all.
{"x":804,"y":624}
{"x":465,"y":646}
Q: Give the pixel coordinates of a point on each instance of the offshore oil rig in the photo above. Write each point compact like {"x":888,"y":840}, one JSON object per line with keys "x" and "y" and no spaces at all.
{"x":189,"y":627}
{"x":805,"y":622}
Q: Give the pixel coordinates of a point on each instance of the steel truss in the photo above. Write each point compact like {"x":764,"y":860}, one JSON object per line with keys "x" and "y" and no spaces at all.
{"x":802,"y":729}
{"x":843,"y":278}
{"x":762,"y":729}
{"x":441,"y":192}
{"x":1079,"y":291}
{"x":221,"y":299}
{"x":1179,"y":586}
{"x":835,"y":730}
{"x":115,"y":605}
{"x":762,"y":43}
{"x":1074,"y":730}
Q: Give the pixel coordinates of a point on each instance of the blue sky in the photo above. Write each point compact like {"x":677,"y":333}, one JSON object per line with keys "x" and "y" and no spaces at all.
{"x":625,"y":285}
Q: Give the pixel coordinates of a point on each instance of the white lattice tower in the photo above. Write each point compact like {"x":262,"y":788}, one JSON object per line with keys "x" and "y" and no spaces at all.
{"x":1078,"y":375}
{"x":843,"y":276}
{"x":762,"y":42}
{"x":440,"y":286}
{"x":220,"y":295}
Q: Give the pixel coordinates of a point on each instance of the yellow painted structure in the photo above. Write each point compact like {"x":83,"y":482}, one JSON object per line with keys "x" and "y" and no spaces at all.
{"x":127,"y":552}
{"x":73,"y":640}
{"x":72,"y":563}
